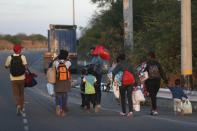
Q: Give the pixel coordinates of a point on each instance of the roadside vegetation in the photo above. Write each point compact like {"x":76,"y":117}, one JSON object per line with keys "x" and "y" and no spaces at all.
{"x":31,"y":41}
{"x":157,"y":27}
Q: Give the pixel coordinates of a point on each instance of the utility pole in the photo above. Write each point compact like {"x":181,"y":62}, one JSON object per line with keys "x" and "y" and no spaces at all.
{"x":73,"y":12}
{"x":186,"y":44}
{"x":128,"y":24}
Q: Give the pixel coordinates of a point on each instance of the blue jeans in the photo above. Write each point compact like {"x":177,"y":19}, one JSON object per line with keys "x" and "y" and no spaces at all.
{"x":61,"y":99}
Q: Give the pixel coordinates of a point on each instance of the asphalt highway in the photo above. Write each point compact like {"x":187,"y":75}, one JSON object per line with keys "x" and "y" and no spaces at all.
{"x":40,"y":109}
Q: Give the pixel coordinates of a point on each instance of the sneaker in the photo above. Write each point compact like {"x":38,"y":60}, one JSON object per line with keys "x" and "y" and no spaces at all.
{"x":122,"y":114}
{"x":130,"y":114}
{"x":154,"y":113}
{"x":58,"y":110}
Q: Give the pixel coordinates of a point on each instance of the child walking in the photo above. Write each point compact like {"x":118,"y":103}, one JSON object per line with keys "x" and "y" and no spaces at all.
{"x":90,"y":94}
{"x":178,"y":96}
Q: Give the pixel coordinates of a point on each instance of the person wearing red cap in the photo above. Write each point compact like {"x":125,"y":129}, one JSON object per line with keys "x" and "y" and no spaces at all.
{"x":17,"y":64}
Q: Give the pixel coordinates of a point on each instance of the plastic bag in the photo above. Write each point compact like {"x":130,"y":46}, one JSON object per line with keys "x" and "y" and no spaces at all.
{"x":136,"y":106}
{"x":187,"y":107}
{"x":50,"y":89}
{"x":138,"y":95}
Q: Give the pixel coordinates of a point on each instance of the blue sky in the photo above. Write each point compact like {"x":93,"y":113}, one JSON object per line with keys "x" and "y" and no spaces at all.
{"x":34,"y":16}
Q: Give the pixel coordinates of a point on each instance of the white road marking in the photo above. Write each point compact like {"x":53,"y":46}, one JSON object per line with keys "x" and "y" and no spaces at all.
{"x":26,"y":128}
{"x":25,"y":121}
{"x":24,"y":114}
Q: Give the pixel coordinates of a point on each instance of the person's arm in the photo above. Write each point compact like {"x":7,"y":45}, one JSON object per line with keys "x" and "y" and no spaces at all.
{"x":163,"y":75}
{"x":24,"y":60}
{"x":116,"y":69}
{"x":183,"y":93}
{"x":7,"y":63}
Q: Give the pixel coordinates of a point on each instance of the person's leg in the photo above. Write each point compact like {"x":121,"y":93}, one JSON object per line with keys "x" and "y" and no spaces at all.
{"x":15,"y":90}
{"x":129,"y":97}
{"x":123,"y":103}
{"x":156,"y":86}
{"x":88,"y":99}
{"x":82,"y":100}
{"x":58,"y":103}
{"x":98,"y":93}
{"x":65,"y":101}
{"x":150,"y":89}
{"x":21,"y":85}
{"x":98,"y":89}
{"x":153,"y":86}
{"x":64,"y":104}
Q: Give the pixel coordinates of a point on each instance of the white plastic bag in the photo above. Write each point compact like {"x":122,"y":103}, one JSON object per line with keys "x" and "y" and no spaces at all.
{"x":136,"y":106}
{"x":187,"y":107}
{"x":50,"y":89}
{"x":138,"y":96}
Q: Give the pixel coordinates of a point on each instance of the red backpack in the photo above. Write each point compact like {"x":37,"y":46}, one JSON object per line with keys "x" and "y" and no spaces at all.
{"x":127,"y":78}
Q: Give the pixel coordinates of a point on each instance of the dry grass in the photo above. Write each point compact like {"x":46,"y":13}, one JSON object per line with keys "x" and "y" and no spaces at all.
{"x":5,"y":45}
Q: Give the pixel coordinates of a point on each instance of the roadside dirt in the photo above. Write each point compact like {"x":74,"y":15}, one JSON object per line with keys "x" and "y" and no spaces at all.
{"x":5,"y":45}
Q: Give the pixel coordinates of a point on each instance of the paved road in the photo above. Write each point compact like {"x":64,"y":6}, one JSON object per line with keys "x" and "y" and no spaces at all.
{"x":39,"y":110}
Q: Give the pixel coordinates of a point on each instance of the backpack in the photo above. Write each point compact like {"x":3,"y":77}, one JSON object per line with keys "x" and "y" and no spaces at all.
{"x":127,"y":78}
{"x":62,"y":71}
{"x":89,"y":86}
{"x":16,"y":66}
{"x":153,"y":71}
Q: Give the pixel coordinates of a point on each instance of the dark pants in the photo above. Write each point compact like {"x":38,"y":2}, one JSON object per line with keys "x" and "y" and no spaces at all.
{"x":82,"y":86}
{"x":90,"y":98}
{"x":83,"y":99}
{"x":98,"y":89}
{"x":18,"y":92}
{"x":153,"y":86}
{"x":123,"y":91}
{"x":61,"y":100}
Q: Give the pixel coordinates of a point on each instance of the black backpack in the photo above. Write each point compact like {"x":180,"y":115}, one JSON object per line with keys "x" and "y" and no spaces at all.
{"x":16,"y":66}
{"x":153,"y":71}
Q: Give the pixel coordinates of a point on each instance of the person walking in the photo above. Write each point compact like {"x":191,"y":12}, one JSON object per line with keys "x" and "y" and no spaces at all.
{"x":97,"y":65}
{"x":63,"y":83}
{"x":121,"y":66}
{"x":155,"y":74}
{"x":17,"y":64}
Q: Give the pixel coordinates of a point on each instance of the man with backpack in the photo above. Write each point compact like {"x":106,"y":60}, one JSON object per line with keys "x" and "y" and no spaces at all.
{"x":63,"y":83}
{"x":17,"y":64}
{"x":155,"y":74}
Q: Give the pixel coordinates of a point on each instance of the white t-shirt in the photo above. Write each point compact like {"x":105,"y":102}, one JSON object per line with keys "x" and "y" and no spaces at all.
{"x":67,"y":63}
